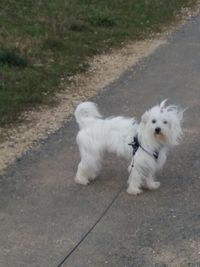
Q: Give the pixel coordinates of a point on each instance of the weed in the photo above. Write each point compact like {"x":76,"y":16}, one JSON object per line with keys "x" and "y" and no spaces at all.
{"x":12,"y":58}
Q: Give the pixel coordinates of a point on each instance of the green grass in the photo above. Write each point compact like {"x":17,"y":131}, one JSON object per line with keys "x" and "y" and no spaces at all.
{"x":42,"y":41}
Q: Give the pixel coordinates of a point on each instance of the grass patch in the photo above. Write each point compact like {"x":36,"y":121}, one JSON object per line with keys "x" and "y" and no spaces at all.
{"x":101,"y":20}
{"x":42,"y":41}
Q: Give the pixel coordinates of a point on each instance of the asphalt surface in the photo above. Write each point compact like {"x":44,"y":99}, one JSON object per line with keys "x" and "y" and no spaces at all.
{"x":48,"y":220}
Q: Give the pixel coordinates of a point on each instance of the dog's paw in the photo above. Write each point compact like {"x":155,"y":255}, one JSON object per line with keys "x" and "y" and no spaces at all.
{"x":81,"y":180}
{"x":153,"y":185}
{"x":134,"y":191}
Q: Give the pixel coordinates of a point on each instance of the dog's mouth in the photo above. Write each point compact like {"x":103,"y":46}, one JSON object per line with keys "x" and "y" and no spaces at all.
{"x":160,"y":136}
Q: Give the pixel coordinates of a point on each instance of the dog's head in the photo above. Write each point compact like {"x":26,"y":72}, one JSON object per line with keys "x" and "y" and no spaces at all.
{"x":162,"y":124}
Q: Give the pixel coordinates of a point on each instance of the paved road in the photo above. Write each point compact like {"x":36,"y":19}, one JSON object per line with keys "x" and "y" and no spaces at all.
{"x":47,"y":220}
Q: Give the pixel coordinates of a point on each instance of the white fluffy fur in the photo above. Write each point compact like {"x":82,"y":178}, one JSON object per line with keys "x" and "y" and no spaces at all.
{"x":98,"y":135}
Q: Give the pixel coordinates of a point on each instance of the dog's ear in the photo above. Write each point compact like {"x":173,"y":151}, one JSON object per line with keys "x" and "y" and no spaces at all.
{"x":145,"y":117}
{"x":181,"y":112}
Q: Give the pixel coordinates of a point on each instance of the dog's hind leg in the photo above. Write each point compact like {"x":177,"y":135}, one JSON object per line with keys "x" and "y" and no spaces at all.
{"x":88,"y":168}
{"x":81,"y":175}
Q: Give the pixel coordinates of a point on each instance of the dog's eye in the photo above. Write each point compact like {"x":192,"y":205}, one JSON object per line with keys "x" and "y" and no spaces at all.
{"x":165,"y":122}
{"x":153,"y":121}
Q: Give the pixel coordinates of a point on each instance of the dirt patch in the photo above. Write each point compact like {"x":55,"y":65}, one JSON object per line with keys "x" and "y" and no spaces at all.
{"x":103,"y":70}
{"x":188,"y":256}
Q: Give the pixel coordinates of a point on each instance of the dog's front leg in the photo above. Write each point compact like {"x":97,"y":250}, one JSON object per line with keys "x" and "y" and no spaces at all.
{"x":134,"y":182}
{"x":151,"y":184}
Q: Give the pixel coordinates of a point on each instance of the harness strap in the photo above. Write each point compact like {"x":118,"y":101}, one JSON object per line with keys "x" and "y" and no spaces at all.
{"x":135,"y":145}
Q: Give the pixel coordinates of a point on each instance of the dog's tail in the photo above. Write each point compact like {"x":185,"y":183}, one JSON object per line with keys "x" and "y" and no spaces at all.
{"x":85,"y":113}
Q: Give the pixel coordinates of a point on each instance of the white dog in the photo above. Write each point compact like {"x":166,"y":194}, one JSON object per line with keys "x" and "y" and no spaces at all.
{"x":159,"y":129}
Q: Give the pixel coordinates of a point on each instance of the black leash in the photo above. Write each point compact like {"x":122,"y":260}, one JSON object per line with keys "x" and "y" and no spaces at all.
{"x":93,"y":226}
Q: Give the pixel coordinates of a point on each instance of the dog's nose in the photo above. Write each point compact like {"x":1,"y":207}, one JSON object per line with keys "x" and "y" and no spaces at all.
{"x":158,"y":130}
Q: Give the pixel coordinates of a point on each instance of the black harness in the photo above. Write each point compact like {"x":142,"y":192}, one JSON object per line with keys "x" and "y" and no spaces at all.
{"x":135,"y":145}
